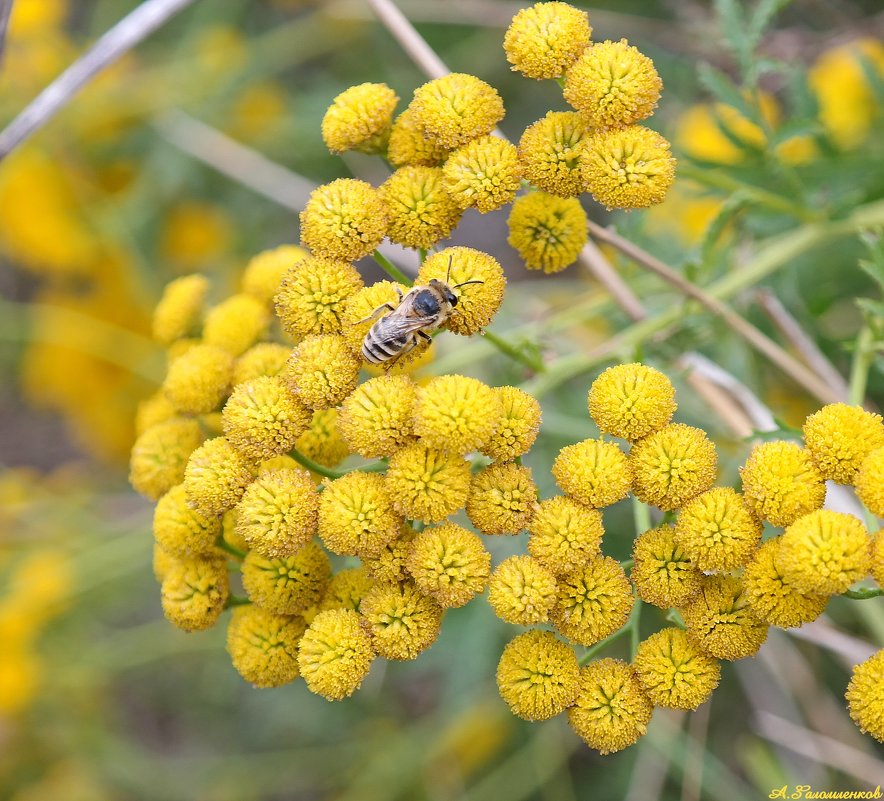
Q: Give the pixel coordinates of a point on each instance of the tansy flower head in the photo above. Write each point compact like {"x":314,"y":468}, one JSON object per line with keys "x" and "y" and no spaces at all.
{"x":194,"y":592}
{"x":869,"y":482}
{"x":544,"y":40}
{"x":476,"y":303}
{"x":287,"y":585}
{"x":334,"y":654}
{"x":155,"y":409}
{"x":263,"y":646}
{"x":264,"y":272}
{"x":593,"y":472}
{"x":262,"y":418}
{"x":263,"y":359}
{"x":356,"y":516}
{"x":674,"y":671}
{"x":628,"y":168}
{"x":839,"y":437}
{"x":346,"y":589}
{"x":236,"y":323}
{"x":181,"y":531}
{"x":322,"y":441}
{"x":455,"y":109}
{"x":388,"y":565}
{"x":593,"y":601}
{"x":401,"y":621}
{"x":522,"y":591}
{"x":179,"y":311}
{"x":502,"y":499}
{"x":613,"y":84}
{"x":565,"y":534}
{"x":518,"y":427}
{"x":199,"y":380}
{"x":356,"y":319}
{"x":631,"y":401}
{"x":421,"y":212}
{"x":456,"y":413}
{"x":312,"y":294}
{"x":376,"y":418}
{"x":720,"y":620}
{"x":322,"y":371}
{"x":427,"y":484}
{"x":161,"y":562}
{"x":449,"y":563}
{"x":781,"y":482}
{"x":876,"y":553}
{"x":717,"y":531}
{"x":538,"y":675}
{"x":611,"y":711}
{"x":343,"y":220}
{"x":672,"y":465}
{"x":547,"y":231}
{"x":662,"y":573}
{"x":360,"y":119}
{"x":216,"y":477}
{"x":409,"y":146}
{"x":160,"y":455}
{"x":865,"y":696}
{"x":772,"y":598}
{"x":550,"y":152}
{"x":824,"y":552}
{"x":278,"y":512}
{"x":483,"y":174}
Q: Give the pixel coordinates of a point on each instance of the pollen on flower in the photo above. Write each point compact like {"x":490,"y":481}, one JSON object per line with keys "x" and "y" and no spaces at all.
{"x":613,"y":84}
{"x":544,"y":40}
{"x":674,"y":672}
{"x":628,"y":168}
{"x":672,"y":465}
{"x":631,"y":401}
{"x":547,"y":231}
{"x":550,"y":153}
{"x":263,"y":274}
{"x":662,"y":573}
{"x":181,"y":531}
{"x":401,"y":620}
{"x":263,"y":646}
{"x":518,"y":426}
{"x":287,"y":585}
{"x":502,"y":499}
{"x":612,"y":710}
{"x":216,"y":477}
{"x":263,"y":359}
{"x":839,"y":437}
{"x":409,"y":146}
{"x":236,"y":324}
{"x":344,"y":220}
{"x":347,"y":589}
{"x":594,"y":472}
{"x":565,"y":534}
{"x":388,"y":565}
{"x":194,"y":592}
{"x":865,"y":696}
{"x":335,"y":654}
{"x":538,"y":675}
{"x":427,"y":484}
{"x":198,"y":381}
{"x":522,"y":591}
{"x":160,"y":454}
{"x":876,"y":554}
{"x":322,"y":441}
{"x":421,"y":211}
{"x":483,"y":174}
{"x":377,"y":417}
{"x":781,"y":482}
{"x":322,"y":371}
{"x":178,"y":313}
{"x":869,"y":482}
{"x":360,"y":119}
{"x":456,"y":413}
{"x":593,"y":601}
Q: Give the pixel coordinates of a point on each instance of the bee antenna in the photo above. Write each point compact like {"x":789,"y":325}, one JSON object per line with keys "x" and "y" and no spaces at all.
{"x":456,"y":286}
{"x":448,"y":274}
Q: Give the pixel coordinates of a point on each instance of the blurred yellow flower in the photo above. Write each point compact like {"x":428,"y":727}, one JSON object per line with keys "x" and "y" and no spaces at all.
{"x":196,"y":235}
{"x":263,"y":646}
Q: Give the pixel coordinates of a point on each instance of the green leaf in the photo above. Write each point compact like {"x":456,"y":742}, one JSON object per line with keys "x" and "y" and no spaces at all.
{"x":792,"y":128}
{"x":761,"y":18}
{"x":733,"y":23}
{"x":729,"y":210}
{"x":874,"y":308}
{"x":725,"y":90}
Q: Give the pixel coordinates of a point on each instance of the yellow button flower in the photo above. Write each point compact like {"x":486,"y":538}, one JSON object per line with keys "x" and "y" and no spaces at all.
{"x":565,"y":535}
{"x":612,"y":710}
{"x":263,"y":359}
{"x":772,"y":597}
{"x":550,"y":153}
{"x":377,"y":418}
{"x":194,"y":592}
{"x":593,"y":601}
{"x":781,"y":482}
{"x":421,"y":211}
{"x":869,"y":482}
{"x":322,"y":441}
{"x":720,"y":620}
{"x":545,"y":39}
{"x":347,"y":589}
{"x":456,"y":413}
{"x":662,"y":573}
{"x":322,"y":371}
{"x":402,"y":622}
{"x":613,"y":84}
{"x":236,"y":324}
{"x":876,"y":554}
{"x":160,"y":454}
{"x":263,"y":274}
{"x":865,"y":696}
{"x":538,"y":675}
{"x":427,"y":484}
{"x":388,"y":565}
{"x":594,"y":472}
{"x":178,"y":313}
{"x":522,"y":591}
{"x":483,"y":174}
{"x":198,"y":381}
{"x":181,"y":531}
{"x":824,"y":552}
{"x":278,"y":512}
{"x":343,"y":220}
{"x":674,"y":672}
{"x":839,"y":437}
{"x":455,"y":109}
{"x":150,"y":411}
{"x":360,"y":119}
{"x":216,"y":477}
{"x":629,"y":168}
{"x":409,"y":146}
{"x":547,"y":231}
{"x":502,"y":499}
{"x":631,"y":401}
{"x":335,"y":654}
{"x":672,"y":465}
{"x":518,"y":427}
{"x":264,"y":647}
{"x":287,"y":585}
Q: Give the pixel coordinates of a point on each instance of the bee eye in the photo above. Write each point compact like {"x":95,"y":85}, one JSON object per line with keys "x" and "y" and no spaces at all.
{"x":452,"y":298}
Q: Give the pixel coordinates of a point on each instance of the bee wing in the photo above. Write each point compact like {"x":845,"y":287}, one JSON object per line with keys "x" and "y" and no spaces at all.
{"x":397,"y":325}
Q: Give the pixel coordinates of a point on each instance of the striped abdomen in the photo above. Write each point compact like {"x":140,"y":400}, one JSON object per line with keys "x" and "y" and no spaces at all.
{"x":379,"y":347}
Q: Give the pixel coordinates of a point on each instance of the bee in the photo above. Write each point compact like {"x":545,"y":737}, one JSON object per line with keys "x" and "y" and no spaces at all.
{"x":421,"y":310}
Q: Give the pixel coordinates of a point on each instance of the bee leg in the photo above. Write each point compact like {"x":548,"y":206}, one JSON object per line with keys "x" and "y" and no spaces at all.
{"x":424,"y":336}
{"x":377,"y":311}
{"x":409,"y":347}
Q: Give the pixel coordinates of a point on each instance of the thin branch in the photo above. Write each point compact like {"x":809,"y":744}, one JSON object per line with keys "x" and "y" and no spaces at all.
{"x":5,"y":11}
{"x":601,"y":269}
{"x":127,"y":33}
{"x":724,"y":404}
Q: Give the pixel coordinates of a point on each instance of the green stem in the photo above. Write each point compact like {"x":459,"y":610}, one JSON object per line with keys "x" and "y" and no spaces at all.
{"x":236,"y":600}
{"x":641,"y":514}
{"x":630,"y":627}
{"x":391,"y":269}
{"x":315,"y":467}
{"x":231,"y":549}
{"x":863,"y":593}
{"x":859,"y":369}
{"x":422,"y":255}
{"x":513,"y":352}
{"x":674,"y":616}
{"x":634,"y":629}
